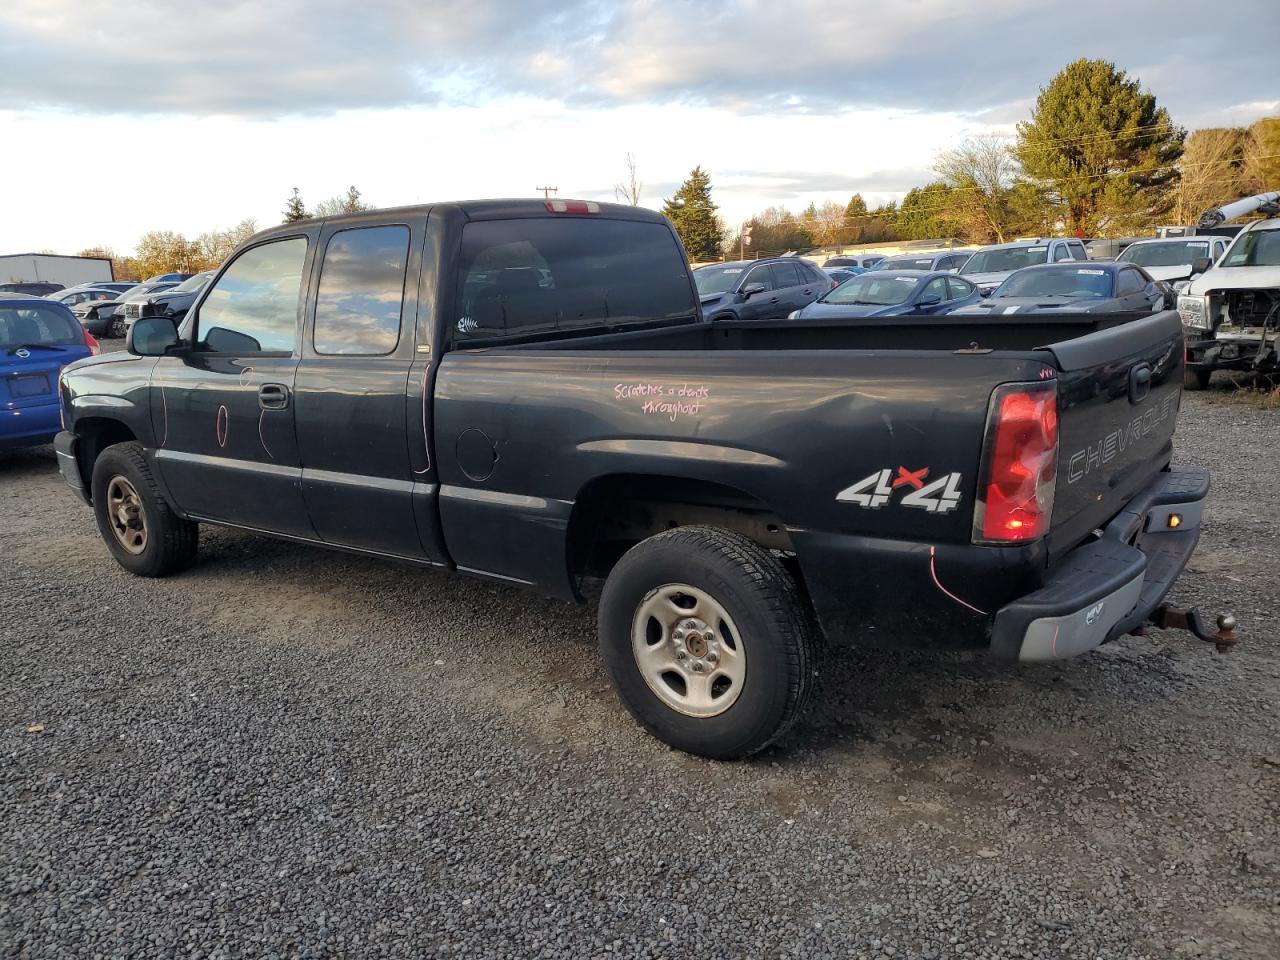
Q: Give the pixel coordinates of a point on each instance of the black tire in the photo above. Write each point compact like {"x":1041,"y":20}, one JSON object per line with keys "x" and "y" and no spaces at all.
{"x":1196,"y":379}
{"x":765,"y":604}
{"x":169,"y":542}
{"x":116,"y":328}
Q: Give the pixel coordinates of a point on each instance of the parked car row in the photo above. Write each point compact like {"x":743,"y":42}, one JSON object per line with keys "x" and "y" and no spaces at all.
{"x":1026,"y":276}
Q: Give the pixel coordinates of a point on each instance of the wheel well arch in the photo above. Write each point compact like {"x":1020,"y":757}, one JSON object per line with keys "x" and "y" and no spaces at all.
{"x":614,"y":512}
{"x":93,"y":435}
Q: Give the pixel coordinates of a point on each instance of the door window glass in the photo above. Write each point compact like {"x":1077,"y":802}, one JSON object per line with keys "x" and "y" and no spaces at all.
{"x":253,"y":308}
{"x":361,"y":291}
{"x":1130,"y":282}
{"x":937,"y":287}
{"x":759,"y":275}
{"x":784,"y":275}
{"x":1060,"y":252}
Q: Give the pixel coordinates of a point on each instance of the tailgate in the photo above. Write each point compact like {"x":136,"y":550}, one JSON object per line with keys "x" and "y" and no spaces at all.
{"x":1118,"y":395}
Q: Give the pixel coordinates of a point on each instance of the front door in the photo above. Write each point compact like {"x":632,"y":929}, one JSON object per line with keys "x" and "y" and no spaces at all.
{"x":223,"y":409}
{"x":364,"y":458}
{"x":937,"y":287}
{"x":760,"y":306}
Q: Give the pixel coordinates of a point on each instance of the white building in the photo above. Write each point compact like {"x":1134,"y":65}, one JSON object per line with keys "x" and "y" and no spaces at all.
{"x":53,"y":268}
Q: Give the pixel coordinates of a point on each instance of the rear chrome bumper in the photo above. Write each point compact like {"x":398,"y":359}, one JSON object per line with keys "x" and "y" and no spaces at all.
{"x":1109,"y":587}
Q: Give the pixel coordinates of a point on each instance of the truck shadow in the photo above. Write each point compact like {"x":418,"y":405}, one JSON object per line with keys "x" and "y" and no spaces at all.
{"x":543,"y":670}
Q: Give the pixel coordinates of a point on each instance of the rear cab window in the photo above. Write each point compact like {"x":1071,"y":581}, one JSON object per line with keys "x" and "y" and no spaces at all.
{"x":565,"y":275}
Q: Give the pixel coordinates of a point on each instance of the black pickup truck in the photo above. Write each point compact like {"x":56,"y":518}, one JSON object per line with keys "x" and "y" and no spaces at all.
{"x":527,"y":391}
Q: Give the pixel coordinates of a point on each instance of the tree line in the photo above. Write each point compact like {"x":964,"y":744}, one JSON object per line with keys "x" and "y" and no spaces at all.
{"x":1097,"y":157}
{"x":166,"y":251}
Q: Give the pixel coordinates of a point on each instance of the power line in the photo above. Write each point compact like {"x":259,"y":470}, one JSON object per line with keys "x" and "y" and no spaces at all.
{"x":1084,"y":138}
{"x":547,"y":191}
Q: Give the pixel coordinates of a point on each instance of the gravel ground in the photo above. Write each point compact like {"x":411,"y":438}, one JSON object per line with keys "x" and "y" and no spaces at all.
{"x":287,"y":752}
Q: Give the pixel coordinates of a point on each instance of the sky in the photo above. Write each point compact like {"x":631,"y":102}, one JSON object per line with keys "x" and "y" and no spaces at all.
{"x":121,"y":117}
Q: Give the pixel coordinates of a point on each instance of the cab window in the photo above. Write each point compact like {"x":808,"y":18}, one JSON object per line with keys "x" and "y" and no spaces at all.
{"x":361,"y":292}
{"x":253,"y":308}
{"x":552,"y":275}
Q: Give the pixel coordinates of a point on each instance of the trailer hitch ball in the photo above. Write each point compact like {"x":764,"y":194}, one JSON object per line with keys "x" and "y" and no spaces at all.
{"x":1192,"y":620}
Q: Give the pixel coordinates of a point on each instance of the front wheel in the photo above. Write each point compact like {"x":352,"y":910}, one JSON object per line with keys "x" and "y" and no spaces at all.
{"x":143,"y":534}
{"x":707,"y":642}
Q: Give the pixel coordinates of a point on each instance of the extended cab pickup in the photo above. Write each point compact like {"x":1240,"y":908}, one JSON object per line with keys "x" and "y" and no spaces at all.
{"x":527,"y":392}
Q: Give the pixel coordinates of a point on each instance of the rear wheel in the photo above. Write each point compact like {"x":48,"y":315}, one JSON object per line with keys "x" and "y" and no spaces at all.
{"x":1196,"y":379}
{"x":707,"y":642}
{"x":143,"y":534}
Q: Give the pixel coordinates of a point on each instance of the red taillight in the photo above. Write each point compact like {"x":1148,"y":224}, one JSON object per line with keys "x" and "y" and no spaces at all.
{"x":1019,"y":464}
{"x":91,"y":342}
{"x":572,"y":206}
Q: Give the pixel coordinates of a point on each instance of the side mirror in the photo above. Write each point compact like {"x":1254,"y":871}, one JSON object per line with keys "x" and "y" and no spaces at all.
{"x":986,"y":291}
{"x":751,"y":289}
{"x":152,"y":337}
{"x":932,"y":300}
{"x":1201,"y":264}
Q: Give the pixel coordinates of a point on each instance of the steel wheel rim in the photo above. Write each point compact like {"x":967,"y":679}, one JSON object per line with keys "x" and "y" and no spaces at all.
{"x":689,"y":650}
{"x":126,"y":515}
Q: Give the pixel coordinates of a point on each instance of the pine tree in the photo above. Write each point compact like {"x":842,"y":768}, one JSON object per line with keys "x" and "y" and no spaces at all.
{"x":693,"y":214}
{"x":352,"y":202}
{"x":293,"y":208}
{"x":1102,"y":147}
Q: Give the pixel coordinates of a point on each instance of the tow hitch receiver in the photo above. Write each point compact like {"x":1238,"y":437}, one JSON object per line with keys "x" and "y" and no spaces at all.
{"x":1191,"y":619}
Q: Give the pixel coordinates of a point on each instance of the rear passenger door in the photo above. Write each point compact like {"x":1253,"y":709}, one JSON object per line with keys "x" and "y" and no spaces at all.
{"x":355,"y":441}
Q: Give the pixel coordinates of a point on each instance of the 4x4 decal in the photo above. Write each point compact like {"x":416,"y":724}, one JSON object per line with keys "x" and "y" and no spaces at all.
{"x":873,"y":492}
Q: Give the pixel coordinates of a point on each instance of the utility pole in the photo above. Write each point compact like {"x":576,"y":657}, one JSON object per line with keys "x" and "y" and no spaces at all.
{"x":547,"y":191}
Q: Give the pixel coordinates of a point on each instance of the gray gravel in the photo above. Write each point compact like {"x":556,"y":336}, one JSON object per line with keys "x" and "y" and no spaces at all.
{"x":287,"y":752}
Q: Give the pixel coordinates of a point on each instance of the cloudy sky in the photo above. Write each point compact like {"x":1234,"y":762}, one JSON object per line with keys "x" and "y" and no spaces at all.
{"x":116,"y":118}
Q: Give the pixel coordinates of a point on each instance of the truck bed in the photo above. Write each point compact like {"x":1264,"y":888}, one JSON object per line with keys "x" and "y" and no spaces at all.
{"x":942,"y":332}
{"x":788,"y":414}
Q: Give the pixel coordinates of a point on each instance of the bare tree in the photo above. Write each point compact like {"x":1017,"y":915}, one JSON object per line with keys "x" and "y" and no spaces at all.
{"x":349,"y":202}
{"x":629,"y":190}
{"x":1262,"y":155}
{"x":828,"y":223}
{"x":1212,"y":169}
{"x":981,"y":173}
{"x":214,"y":246}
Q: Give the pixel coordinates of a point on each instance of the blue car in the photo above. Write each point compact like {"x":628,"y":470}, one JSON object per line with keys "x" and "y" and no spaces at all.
{"x":37,"y":339}
{"x":892,"y":293}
